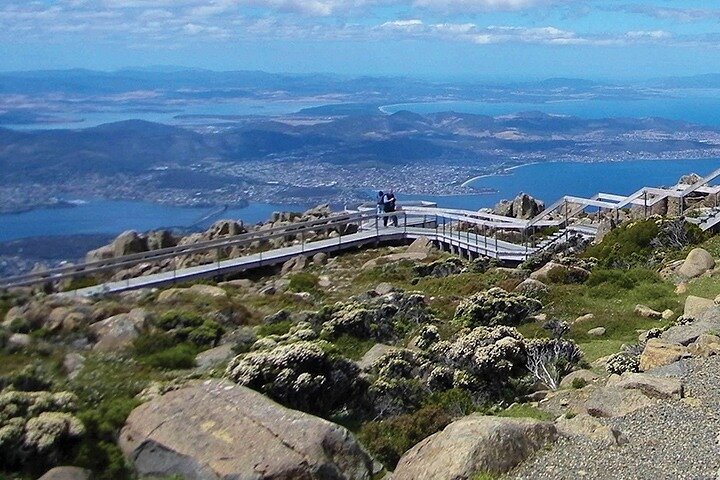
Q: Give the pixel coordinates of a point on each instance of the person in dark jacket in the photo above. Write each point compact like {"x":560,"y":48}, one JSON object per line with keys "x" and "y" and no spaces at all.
{"x":389,"y":207}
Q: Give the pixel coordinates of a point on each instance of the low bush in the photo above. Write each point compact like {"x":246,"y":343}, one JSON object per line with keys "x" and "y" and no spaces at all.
{"x":303,"y":282}
{"x":179,"y":357}
{"x":389,"y":439}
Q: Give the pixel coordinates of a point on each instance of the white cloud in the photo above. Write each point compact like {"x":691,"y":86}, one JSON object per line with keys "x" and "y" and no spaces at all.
{"x":482,"y":5}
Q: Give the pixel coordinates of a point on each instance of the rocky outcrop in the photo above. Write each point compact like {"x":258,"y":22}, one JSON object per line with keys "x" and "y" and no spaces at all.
{"x":475,"y":444}
{"x":532,"y":288}
{"x":215,"y":429}
{"x":615,"y":402}
{"x":586,"y":426}
{"x":658,"y":353}
{"x":650,"y":386}
{"x":522,"y":206}
{"x":584,"y":376}
{"x":573,"y":274}
{"x":118,"y":332}
{"x":697,"y":262}
{"x":67,"y":473}
{"x":695,"y":307}
{"x":647,"y":312}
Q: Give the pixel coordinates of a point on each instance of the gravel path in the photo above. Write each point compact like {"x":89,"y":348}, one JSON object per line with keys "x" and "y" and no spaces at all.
{"x":670,"y":440}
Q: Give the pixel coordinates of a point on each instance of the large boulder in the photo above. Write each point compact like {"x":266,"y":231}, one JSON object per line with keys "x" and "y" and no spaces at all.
{"x":522,"y":206}
{"x":655,"y":387}
{"x":67,"y":473}
{"x":615,"y":402}
{"x":119,"y":331}
{"x":475,"y":444}
{"x":658,"y":353}
{"x":697,"y":262}
{"x":586,"y":426}
{"x":129,"y":242}
{"x":160,"y":239}
{"x":215,"y":429}
{"x":695,"y":307}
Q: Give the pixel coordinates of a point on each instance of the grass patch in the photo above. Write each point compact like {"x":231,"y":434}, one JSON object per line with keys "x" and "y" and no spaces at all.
{"x":611,"y":296}
{"x":524,"y":411}
{"x":706,"y":287}
{"x":279,"y":328}
{"x":303,"y":282}
{"x":351,"y":347}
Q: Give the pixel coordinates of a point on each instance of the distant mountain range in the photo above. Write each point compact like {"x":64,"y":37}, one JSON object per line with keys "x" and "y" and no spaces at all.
{"x":133,"y":147}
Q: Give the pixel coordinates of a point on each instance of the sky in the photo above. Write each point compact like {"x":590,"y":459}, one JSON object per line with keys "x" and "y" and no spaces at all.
{"x":500,"y":39}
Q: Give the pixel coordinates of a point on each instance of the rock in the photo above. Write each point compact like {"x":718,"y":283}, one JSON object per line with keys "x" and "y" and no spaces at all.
{"x":420,"y":245}
{"x":697,"y":262}
{"x":503,"y":208}
{"x":171,"y":295}
{"x":372,"y":355}
{"x":678,"y":369}
{"x":18,"y":341}
{"x":596,"y":332}
{"x":585,"y":318}
{"x":476,"y":443}
{"x":667,"y":314}
{"x":268,"y":290}
{"x":615,"y":402}
{"x":215,"y":429}
{"x":586,"y":426}
{"x":585,"y":375}
{"x":118,"y":332}
{"x":681,"y":289}
{"x":658,"y":353}
{"x":384,"y":288}
{"x":214,"y":357}
{"x":647,"y":312}
{"x":160,"y":239}
{"x":72,"y":364}
{"x":695,"y":307}
{"x":320,"y":259}
{"x":207,"y":291}
{"x":223,"y":228}
{"x":243,"y":283}
{"x":687,"y":334}
{"x":324,"y":281}
{"x":532,"y":288}
{"x":295,"y":264}
{"x":525,"y":206}
{"x":105,"y":252}
{"x":129,"y":242}
{"x":574,"y":274}
{"x":67,"y":473}
{"x":705,"y":346}
{"x":651,"y":386}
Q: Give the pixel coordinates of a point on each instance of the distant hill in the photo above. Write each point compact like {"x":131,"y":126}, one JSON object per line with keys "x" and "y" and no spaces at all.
{"x":133,"y":147}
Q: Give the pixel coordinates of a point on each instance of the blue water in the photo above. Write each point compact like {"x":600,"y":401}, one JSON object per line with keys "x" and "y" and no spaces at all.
{"x":550,"y":181}
{"x":240,"y":107}
{"x":113,"y":217}
{"x":700,"y":107}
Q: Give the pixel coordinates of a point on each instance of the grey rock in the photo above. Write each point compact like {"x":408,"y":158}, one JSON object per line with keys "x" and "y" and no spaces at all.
{"x":67,"y":473}
{"x":118,"y":332}
{"x":372,"y":355}
{"x":697,"y":262}
{"x":651,"y":386}
{"x":320,"y":259}
{"x":583,"y":425}
{"x":695,"y":307}
{"x":384,"y":288}
{"x":214,"y":356}
{"x":586,"y":375}
{"x":18,"y":341}
{"x":215,"y":429}
{"x":474,"y":444}
{"x":596,"y":332}
{"x":615,"y":402}
{"x":72,"y":364}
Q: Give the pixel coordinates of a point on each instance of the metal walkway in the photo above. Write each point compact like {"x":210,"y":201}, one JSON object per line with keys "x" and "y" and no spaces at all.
{"x":469,"y":233}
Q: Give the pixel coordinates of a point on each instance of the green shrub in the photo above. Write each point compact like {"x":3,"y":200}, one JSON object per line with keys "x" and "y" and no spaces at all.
{"x":179,"y":357}
{"x":578,"y":383}
{"x":206,"y":335}
{"x":179,"y":319}
{"x":456,"y":402}
{"x":98,"y":451}
{"x":558,"y":275}
{"x":153,"y":342}
{"x":629,"y":244}
{"x":303,"y":282}
{"x":20,"y":325}
{"x":279,"y":328}
{"x":81,"y":282}
{"x":389,"y":439}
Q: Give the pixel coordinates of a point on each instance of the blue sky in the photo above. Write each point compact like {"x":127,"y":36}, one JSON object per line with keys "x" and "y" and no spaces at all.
{"x":502,"y":39}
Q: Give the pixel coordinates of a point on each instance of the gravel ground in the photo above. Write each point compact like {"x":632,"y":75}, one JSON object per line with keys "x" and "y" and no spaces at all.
{"x":670,"y":440}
